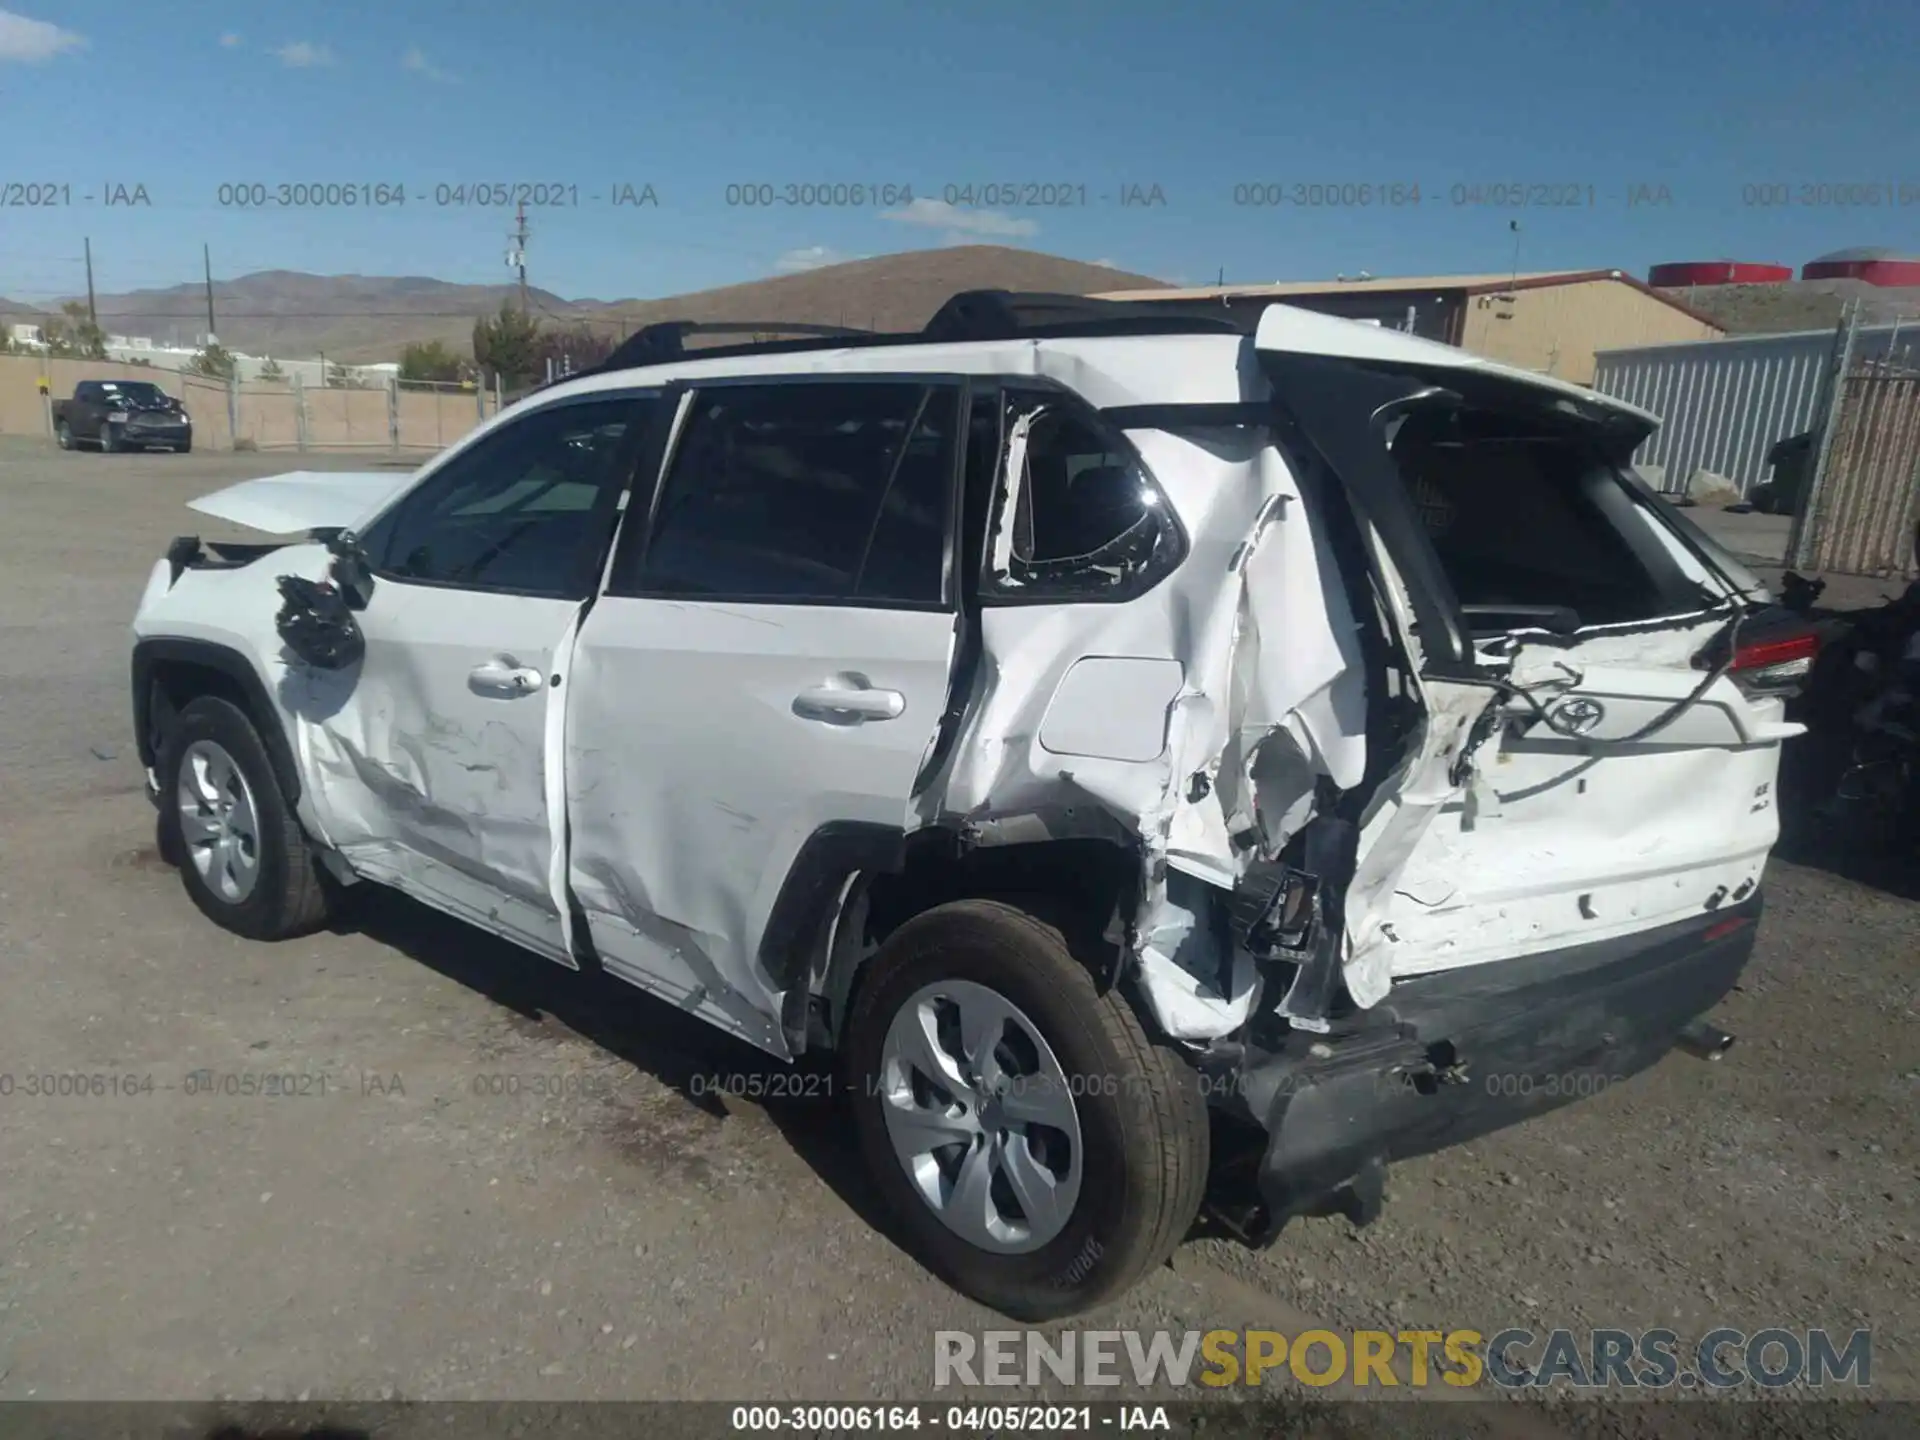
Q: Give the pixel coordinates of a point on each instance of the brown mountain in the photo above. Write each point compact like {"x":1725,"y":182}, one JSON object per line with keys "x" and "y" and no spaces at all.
{"x":287,"y":313}
{"x":368,"y":318}
{"x":888,"y":292}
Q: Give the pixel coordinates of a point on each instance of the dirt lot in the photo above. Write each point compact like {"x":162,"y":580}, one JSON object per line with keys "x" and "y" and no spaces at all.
{"x":431,"y":1225}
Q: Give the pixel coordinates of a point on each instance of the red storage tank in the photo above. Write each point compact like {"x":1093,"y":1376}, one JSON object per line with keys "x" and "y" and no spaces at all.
{"x":1717,"y":272}
{"x":1875,"y":265}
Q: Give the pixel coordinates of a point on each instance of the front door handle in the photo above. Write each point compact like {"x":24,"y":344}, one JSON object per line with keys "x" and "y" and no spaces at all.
{"x":849,"y":700}
{"x":502,"y":677}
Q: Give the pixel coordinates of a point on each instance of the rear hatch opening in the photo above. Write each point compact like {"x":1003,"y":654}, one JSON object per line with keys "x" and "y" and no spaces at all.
{"x":1533,"y":529}
{"x":1624,"y":780}
{"x":1615,"y":769}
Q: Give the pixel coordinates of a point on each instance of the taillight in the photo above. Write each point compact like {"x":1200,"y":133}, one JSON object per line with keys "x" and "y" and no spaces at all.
{"x":1778,"y":665}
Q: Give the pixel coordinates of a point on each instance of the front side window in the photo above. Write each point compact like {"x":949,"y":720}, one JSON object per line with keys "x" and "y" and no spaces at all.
{"x":805,"y":491}
{"x":1077,"y":516}
{"x":527,"y":510}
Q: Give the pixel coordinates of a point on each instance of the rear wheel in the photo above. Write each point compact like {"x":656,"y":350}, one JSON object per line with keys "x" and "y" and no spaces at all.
{"x":1040,"y":1151}
{"x":243,"y":857}
{"x":63,"y":435}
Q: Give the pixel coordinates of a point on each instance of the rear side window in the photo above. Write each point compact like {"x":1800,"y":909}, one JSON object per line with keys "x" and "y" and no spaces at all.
{"x":806,"y":492}
{"x":1077,"y":516}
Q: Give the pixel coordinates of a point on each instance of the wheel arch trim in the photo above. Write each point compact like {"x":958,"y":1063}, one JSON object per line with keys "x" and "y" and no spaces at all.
{"x":150,"y":655}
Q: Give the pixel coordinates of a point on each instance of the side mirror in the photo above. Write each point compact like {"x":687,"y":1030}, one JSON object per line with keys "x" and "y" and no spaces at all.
{"x":352,"y":571}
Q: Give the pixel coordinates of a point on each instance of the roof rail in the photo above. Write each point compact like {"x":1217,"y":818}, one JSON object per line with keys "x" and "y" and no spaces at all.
{"x":1027,"y":315}
{"x":666,"y":339}
{"x":971,"y":315}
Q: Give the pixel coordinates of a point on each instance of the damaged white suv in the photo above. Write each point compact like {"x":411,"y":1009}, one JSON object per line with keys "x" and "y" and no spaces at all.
{"x":1175,"y":769}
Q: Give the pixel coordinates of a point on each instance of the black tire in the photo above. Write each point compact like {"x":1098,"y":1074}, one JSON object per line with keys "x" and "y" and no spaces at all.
{"x":109,"y":441}
{"x":63,"y":435}
{"x":290,"y":896}
{"x":1142,"y":1114}
{"x":186,"y":448}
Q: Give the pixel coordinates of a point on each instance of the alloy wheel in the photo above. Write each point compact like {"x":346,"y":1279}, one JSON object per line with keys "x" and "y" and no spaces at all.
{"x":219,"y":822}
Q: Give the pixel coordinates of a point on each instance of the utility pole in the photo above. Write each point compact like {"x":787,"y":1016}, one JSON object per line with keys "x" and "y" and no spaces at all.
{"x":517,"y":257}
{"x":93,"y":317}
{"x":206,"y":261}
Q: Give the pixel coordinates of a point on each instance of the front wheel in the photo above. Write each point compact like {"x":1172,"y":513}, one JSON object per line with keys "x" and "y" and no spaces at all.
{"x":1040,"y":1151}
{"x":109,"y":439}
{"x":185,"y":447}
{"x":63,"y":435}
{"x":243,"y":857}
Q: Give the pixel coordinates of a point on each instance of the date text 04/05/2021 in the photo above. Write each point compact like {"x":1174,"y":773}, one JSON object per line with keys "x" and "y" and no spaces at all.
{"x":959,"y":1419}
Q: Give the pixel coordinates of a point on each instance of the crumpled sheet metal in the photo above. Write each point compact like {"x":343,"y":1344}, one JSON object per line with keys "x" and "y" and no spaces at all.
{"x":1273,"y":696}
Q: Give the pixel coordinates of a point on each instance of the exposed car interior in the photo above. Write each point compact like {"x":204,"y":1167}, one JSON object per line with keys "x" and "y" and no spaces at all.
{"x":1527,"y":523}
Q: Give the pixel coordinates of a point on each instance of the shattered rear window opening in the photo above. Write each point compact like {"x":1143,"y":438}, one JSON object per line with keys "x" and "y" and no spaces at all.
{"x":1518,"y":522}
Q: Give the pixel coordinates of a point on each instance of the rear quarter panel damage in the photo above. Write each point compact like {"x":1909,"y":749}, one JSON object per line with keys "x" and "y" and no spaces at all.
{"x":1271,"y":696}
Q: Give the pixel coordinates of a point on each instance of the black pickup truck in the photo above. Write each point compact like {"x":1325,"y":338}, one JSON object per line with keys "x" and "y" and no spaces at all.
{"x":121,"y":415}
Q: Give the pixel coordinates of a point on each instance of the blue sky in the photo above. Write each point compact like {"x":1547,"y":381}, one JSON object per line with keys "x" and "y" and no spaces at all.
{"x":1192,"y":96}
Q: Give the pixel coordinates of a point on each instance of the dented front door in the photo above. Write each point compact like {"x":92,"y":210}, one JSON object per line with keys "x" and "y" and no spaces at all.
{"x":436,"y":761}
{"x":434,"y":775}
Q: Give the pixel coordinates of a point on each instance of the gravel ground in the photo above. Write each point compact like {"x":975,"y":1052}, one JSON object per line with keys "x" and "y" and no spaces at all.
{"x":431,"y":1226}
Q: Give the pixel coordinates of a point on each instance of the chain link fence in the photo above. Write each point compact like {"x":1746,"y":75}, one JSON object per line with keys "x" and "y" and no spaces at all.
{"x":257,"y":414}
{"x":1861,"y":512}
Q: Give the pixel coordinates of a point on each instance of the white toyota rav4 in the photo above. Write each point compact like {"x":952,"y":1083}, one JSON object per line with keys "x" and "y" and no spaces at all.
{"x":1173,"y":769}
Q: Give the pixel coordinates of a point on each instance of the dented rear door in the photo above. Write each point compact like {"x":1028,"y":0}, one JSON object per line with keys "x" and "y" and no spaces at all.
{"x":766,"y":670}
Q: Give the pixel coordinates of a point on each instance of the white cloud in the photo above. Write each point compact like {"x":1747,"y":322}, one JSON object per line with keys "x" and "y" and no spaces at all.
{"x":1110,"y":264}
{"x":415,"y":60}
{"x":924,"y":210}
{"x":32,"y":41}
{"x":304,"y":55}
{"x":229,"y":41}
{"x":810,"y":257}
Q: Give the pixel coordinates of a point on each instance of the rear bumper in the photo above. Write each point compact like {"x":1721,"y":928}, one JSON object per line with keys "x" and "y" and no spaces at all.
{"x":1446,"y":1058}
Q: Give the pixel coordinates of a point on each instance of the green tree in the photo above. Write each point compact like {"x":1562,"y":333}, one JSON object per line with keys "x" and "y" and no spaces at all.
{"x":214,"y":361}
{"x":339,"y":377}
{"x":89,"y":341}
{"x":431,"y":360}
{"x":508,"y":344}
{"x":271,"y":370}
{"x":73,"y":336}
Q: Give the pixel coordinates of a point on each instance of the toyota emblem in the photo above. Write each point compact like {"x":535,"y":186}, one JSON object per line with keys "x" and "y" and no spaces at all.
{"x":1576,"y":716}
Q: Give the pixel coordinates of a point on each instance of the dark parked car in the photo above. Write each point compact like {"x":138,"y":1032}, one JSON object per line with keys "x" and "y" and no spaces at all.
{"x":121,"y":415}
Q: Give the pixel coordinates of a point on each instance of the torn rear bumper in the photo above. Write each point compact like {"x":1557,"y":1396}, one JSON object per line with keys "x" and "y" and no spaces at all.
{"x":1448,"y":1057}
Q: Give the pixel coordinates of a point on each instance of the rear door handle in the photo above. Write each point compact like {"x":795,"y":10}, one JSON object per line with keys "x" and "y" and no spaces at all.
{"x":849,"y":700}
{"x":501,"y":677}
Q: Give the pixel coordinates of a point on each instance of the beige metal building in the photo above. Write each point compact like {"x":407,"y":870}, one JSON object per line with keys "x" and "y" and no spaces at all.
{"x":1550,"y":321}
